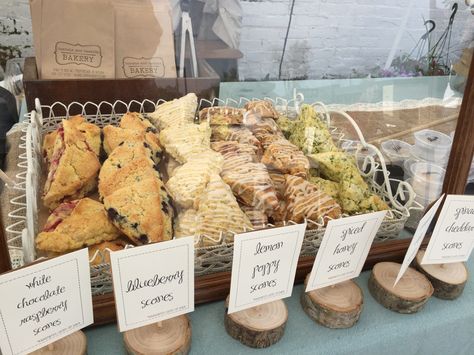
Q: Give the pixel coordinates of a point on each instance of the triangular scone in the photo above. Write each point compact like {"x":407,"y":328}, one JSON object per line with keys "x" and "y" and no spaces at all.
{"x":236,"y":133}
{"x":334,"y":165}
{"x":123,"y":155}
{"x":100,"y":253}
{"x":136,"y":211}
{"x":188,"y":139}
{"x":304,"y":200}
{"x":136,"y":121}
{"x":219,"y":213}
{"x":176,"y":112}
{"x":232,"y":148}
{"x":189,"y":180}
{"x":91,"y":133}
{"x":114,"y":136}
{"x":74,"y":225}
{"x":286,"y":158}
{"x":73,"y":168}
{"x":185,"y":224}
{"x":264,"y":108}
{"x":258,"y":218}
{"x":222,"y":115}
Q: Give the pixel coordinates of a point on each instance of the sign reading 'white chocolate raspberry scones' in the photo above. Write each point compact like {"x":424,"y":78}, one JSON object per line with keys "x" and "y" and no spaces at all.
{"x":264,"y":266}
{"x":45,"y":302}
{"x":154,"y":282}
{"x":344,"y":249}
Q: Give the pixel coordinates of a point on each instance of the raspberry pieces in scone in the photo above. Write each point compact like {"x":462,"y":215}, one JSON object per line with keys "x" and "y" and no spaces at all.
{"x":74,"y":225}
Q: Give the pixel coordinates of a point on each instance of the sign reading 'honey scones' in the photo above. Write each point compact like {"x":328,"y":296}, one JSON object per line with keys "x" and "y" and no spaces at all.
{"x":153,"y":283}
{"x":453,"y":237}
{"x":264,"y":266}
{"x":344,"y":248}
{"x":44,"y":302}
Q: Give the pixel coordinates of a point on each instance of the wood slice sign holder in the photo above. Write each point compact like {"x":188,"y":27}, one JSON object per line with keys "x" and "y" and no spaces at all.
{"x":448,"y":280}
{"x":171,"y":336}
{"x":338,"y":306}
{"x":408,"y":296}
{"x":73,"y":344}
{"x":257,"y":327}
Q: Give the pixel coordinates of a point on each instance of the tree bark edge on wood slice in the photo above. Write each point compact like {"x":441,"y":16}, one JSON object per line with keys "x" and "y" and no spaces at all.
{"x":73,"y":344}
{"x":258,"y":327}
{"x":336,"y":307}
{"x":409,"y":296}
{"x":448,"y":280}
{"x":171,"y":336}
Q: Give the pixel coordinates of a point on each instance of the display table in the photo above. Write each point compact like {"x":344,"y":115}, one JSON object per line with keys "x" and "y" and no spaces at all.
{"x":442,"y":327}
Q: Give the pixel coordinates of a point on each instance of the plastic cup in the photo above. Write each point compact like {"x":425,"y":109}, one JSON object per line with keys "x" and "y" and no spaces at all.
{"x":432,"y":145}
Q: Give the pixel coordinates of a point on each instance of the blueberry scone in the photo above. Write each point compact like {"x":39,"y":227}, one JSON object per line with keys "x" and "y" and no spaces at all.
{"x":138,"y":212}
{"x":305,"y":201}
{"x":73,"y":168}
{"x":189,"y":180}
{"x":285,"y":158}
{"x":263,"y":107}
{"x":175,"y":113}
{"x":74,"y":225}
{"x":188,"y":139}
{"x":90,"y":131}
{"x":222,"y":115}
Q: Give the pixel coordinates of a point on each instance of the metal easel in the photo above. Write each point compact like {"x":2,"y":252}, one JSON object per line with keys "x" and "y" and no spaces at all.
{"x":187,"y":29}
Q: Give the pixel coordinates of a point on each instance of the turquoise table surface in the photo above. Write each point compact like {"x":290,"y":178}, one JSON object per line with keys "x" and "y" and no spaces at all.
{"x":442,"y":327}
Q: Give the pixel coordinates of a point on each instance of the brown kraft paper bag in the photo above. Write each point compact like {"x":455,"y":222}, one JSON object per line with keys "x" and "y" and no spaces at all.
{"x":144,"y":45}
{"x":77,"y":39}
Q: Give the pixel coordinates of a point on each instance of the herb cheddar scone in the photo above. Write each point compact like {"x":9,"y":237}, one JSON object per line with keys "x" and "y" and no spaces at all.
{"x":74,"y":225}
{"x":73,"y":168}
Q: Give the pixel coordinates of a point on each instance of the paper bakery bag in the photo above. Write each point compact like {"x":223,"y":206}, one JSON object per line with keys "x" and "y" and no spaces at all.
{"x":144,"y":45}
{"x":77,"y":39}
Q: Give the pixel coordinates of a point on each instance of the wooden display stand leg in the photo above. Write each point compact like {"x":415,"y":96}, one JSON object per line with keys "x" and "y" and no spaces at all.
{"x":338,"y":306}
{"x":409,"y":296}
{"x":260,"y":326}
{"x":73,"y":344}
{"x":172,"y":336}
{"x":448,"y":280}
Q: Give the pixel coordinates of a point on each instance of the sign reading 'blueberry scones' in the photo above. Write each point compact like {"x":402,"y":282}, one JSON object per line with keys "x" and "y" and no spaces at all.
{"x":44,"y":302}
{"x":344,"y":249}
{"x":264,"y":266}
{"x":153,"y":282}
{"x":453,"y":236}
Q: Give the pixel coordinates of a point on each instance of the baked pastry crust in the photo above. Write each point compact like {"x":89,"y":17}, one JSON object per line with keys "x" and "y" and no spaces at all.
{"x":136,"y":210}
{"x":100,"y":253}
{"x":74,"y":225}
{"x":235,"y":133}
{"x":285,"y":158}
{"x":73,"y":168}
{"x":304,"y":200}
{"x":175,"y":113}
{"x":186,"y":223}
{"x":258,"y":218}
{"x":264,"y":108}
{"x":222,"y":115}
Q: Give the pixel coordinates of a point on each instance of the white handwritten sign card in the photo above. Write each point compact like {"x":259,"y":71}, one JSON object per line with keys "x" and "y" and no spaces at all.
{"x":264,"y":266}
{"x":418,"y":238}
{"x":45,"y":302}
{"x":453,"y":235}
{"x":153,"y":282}
{"x":344,"y":248}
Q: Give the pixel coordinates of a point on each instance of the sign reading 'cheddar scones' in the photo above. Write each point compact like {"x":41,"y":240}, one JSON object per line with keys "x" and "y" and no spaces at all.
{"x":154,"y":282}
{"x":44,"y":302}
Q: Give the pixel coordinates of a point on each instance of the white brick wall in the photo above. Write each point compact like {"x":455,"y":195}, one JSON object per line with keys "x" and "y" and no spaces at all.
{"x":327,"y":37}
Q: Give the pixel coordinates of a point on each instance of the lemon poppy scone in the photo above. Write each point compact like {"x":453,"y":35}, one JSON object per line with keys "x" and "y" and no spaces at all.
{"x":264,"y":108}
{"x":73,"y":168}
{"x":186,"y":140}
{"x":74,"y":225}
{"x":137,"y":211}
{"x":258,"y":218}
{"x":185,"y":224}
{"x":238,"y":134}
{"x":222,"y":115}
{"x":175,"y":112}
{"x":305,"y":201}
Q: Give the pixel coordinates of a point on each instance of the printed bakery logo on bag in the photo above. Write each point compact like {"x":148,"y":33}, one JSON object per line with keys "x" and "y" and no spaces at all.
{"x":67,"y":53}
{"x":344,"y":249}
{"x":143,"y":67}
{"x":154,"y":282}
{"x":453,"y":236}
{"x":264,"y":266}
{"x":44,"y":302}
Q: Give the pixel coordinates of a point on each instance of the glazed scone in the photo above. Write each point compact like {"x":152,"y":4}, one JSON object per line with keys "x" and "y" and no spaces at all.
{"x":136,"y":210}
{"x":279,"y":183}
{"x":286,"y":158}
{"x":258,"y":218}
{"x":222,"y":115}
{"x":232,"y":148}
{"x":73,"y":168}
{"x":175,"y":113}
{"x":305,"y":201}
{"x":100,"y":253}
{"x":114,"y":136}
{"x":74,"y":225}
{"x":188,"y":181}
{"x":185,"y":140}
{"x":264,"y":108}
{"x":236,"y":133}
{"x":186,"y":223}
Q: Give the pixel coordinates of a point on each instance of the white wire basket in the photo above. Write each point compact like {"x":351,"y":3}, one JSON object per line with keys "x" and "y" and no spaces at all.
{"x":209,"y":259}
